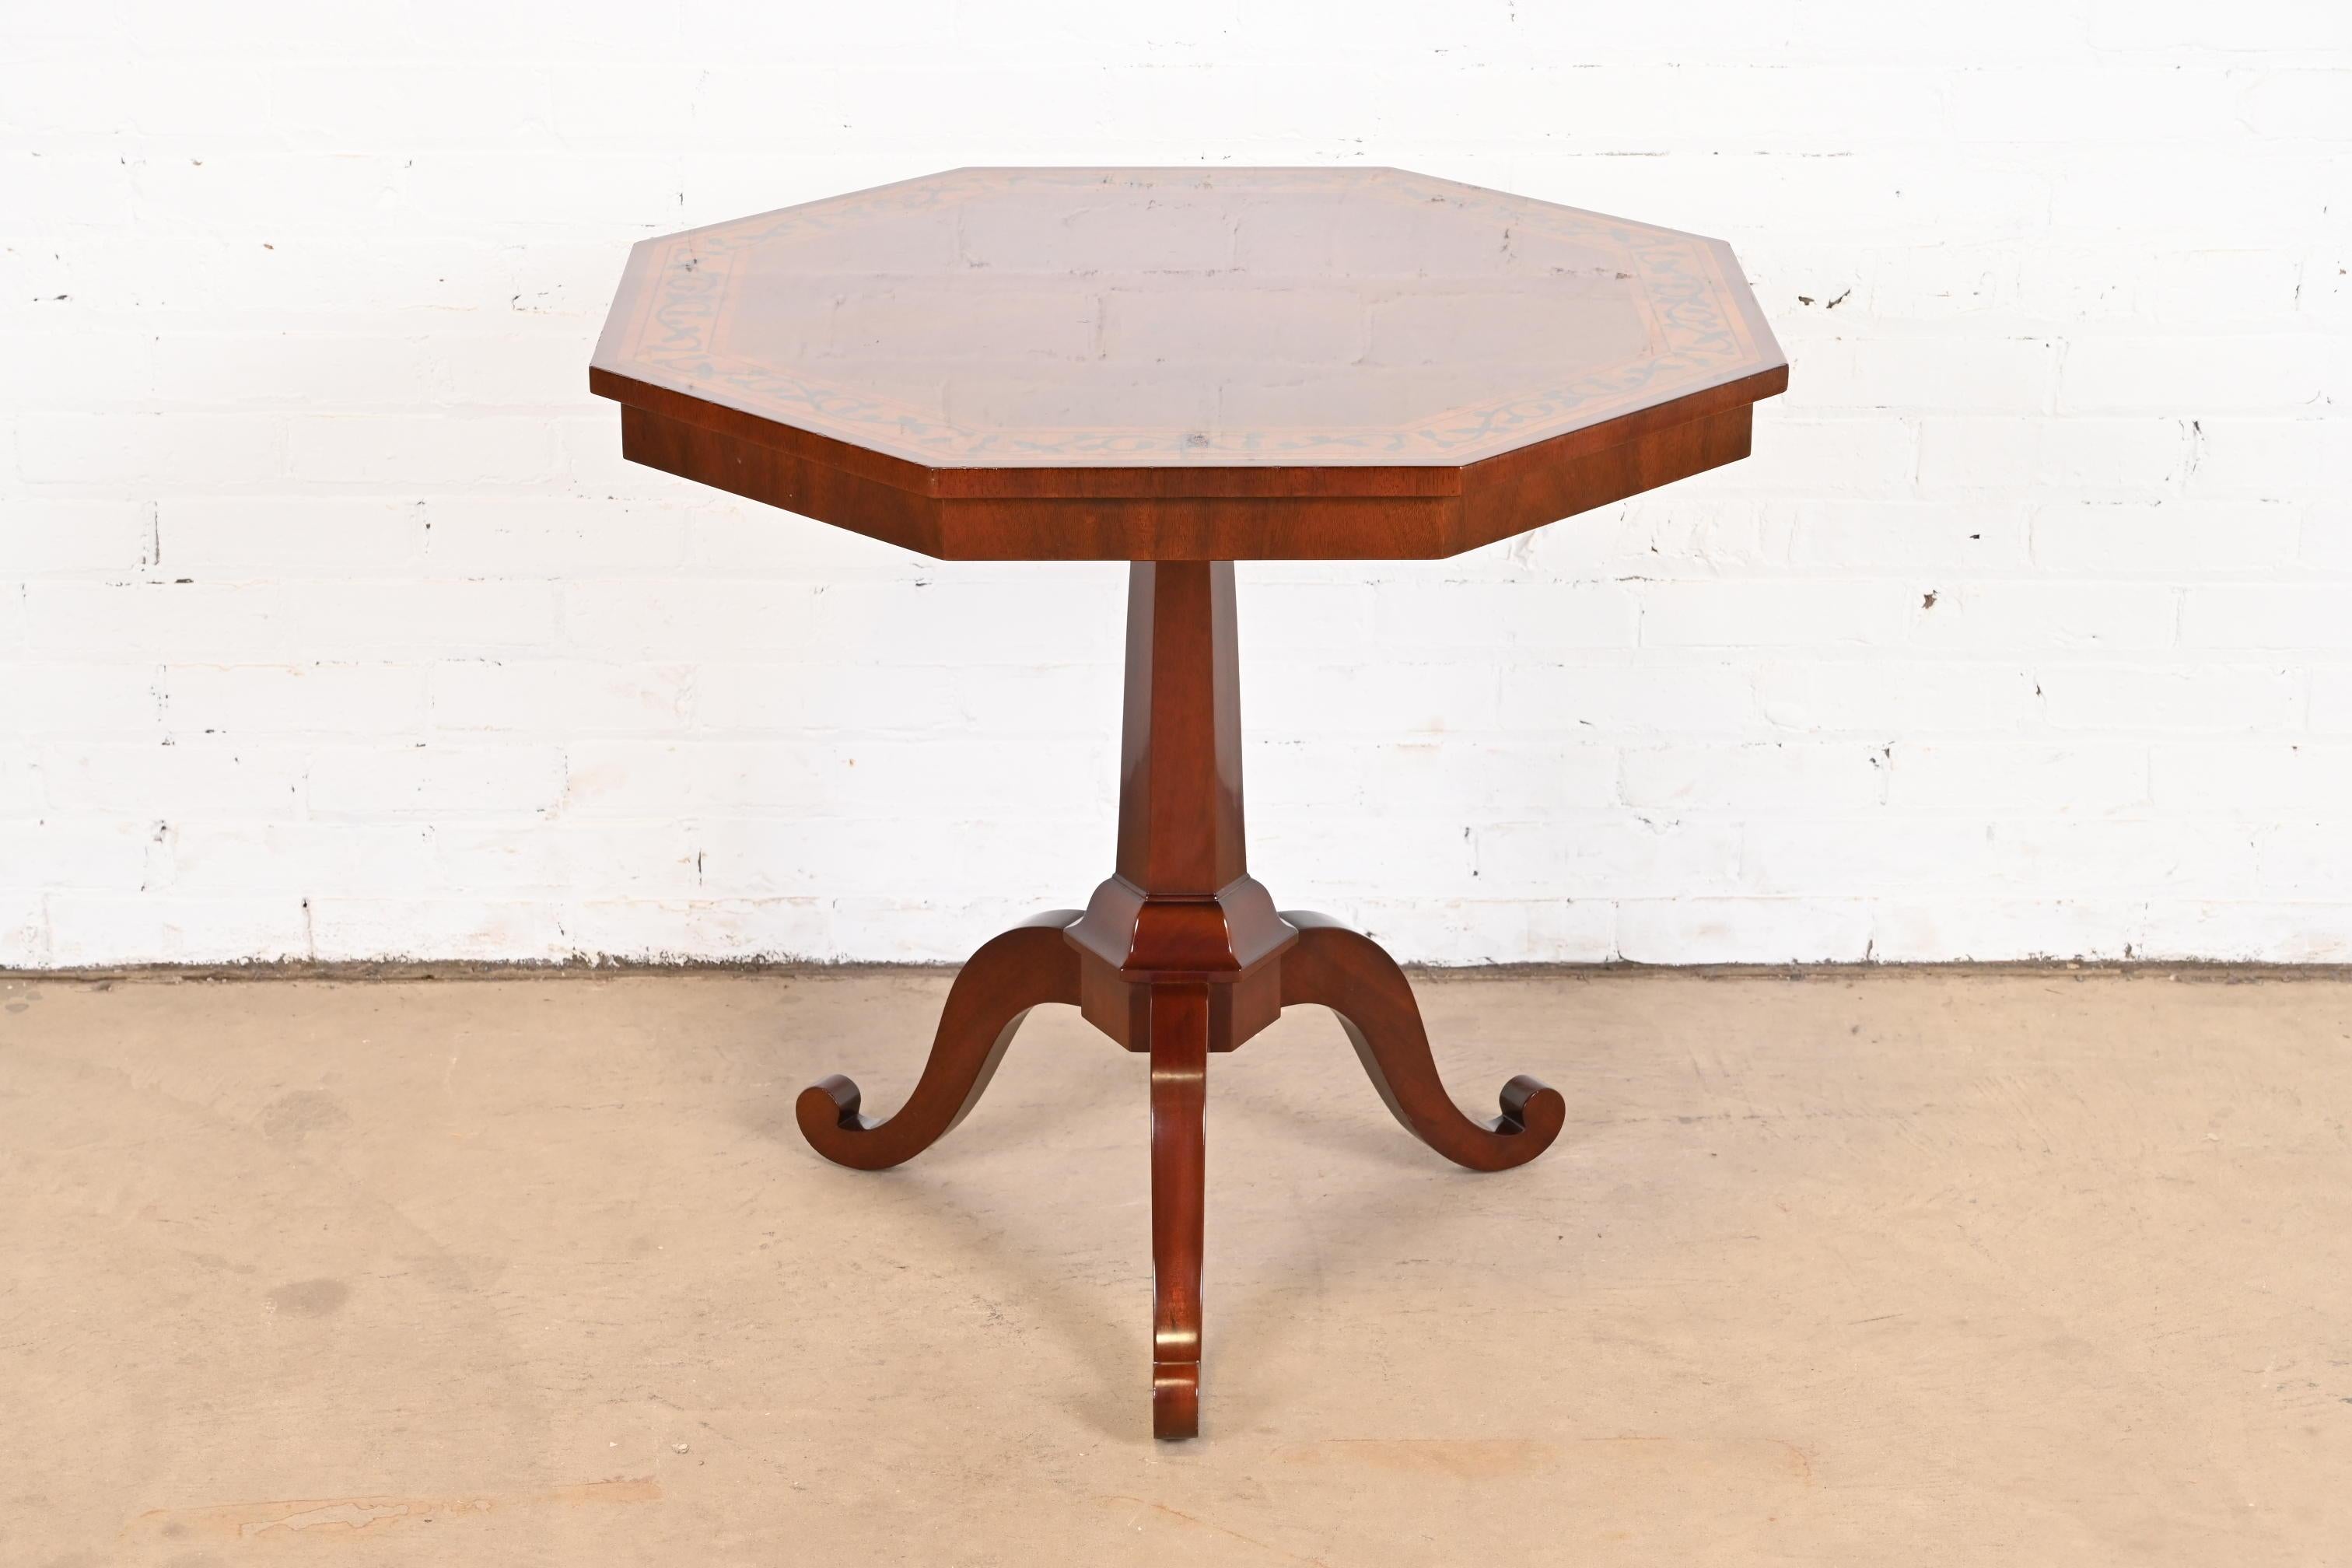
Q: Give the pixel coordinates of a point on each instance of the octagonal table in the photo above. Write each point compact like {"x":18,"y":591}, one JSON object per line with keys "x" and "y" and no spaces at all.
{"x":1183,"y":368}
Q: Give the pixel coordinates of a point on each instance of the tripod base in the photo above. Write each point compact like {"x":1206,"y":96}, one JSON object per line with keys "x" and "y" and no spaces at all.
{"x":1179,"y":955}
{"x":1179,"y":1022}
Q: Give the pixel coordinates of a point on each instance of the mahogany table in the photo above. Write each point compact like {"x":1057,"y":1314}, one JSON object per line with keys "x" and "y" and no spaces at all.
{"x":1183,"y":368}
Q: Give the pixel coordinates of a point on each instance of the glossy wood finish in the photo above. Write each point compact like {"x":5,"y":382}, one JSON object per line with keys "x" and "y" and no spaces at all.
{"x":1028,"y":965}
{"x":1181,"y":904}
{"x":1181,"y":368}
{"x":1180,"y":1094}
{"x":1179,"y":956}
{"x":1185,"y":364}
{"x":1070,"y":321}
{"x":1190,"y":514}
{"x":1331,"y":966}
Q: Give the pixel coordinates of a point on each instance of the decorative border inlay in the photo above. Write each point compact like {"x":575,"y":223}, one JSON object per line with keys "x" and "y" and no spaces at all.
{"x":1702,"y":326}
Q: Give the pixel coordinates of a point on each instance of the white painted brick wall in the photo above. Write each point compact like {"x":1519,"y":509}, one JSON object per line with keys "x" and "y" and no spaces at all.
{"x":331,"y":624}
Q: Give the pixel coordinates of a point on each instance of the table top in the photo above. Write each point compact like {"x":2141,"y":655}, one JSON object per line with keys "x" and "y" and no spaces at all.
{"x":1127,"y":336}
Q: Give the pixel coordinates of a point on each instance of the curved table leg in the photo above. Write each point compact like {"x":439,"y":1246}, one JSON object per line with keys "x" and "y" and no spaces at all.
{"x":1180,"y":1061}
{"x":1010,"y":973}
{"x":1333,"y":967}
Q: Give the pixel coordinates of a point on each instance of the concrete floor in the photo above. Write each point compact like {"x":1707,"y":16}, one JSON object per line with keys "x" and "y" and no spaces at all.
{"x":1887,"y":1267}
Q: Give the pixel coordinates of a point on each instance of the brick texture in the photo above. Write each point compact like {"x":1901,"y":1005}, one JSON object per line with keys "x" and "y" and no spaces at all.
{"x":331,"y":624}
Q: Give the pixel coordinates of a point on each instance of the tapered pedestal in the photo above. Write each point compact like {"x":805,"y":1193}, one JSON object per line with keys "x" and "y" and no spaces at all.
{"x":1178,"y":955}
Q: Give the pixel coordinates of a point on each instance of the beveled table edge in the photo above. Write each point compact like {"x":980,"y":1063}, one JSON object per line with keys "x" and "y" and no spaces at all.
{"x":1304,"y":481}
{"x":1523,"y":420}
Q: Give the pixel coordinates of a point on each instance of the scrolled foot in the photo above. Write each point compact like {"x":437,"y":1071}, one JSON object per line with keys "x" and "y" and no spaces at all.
{"x":1531,"y":1108}
{"x":1333,"y":967}
{"x":1180,"y":1089}
{"x":1025,"y":966}
{"x":1175,"y":1400}
{"x":830,"y":1105}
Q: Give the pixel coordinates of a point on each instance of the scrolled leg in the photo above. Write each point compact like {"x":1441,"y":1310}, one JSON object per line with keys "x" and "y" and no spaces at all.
{"x":1333,"y":967}
{"x":1179,"y":1060}
{"x":1031,"y":964}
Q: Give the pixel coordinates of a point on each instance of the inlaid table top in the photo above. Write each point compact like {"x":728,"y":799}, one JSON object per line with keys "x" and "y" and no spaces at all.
{"x":1185,"y":363}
